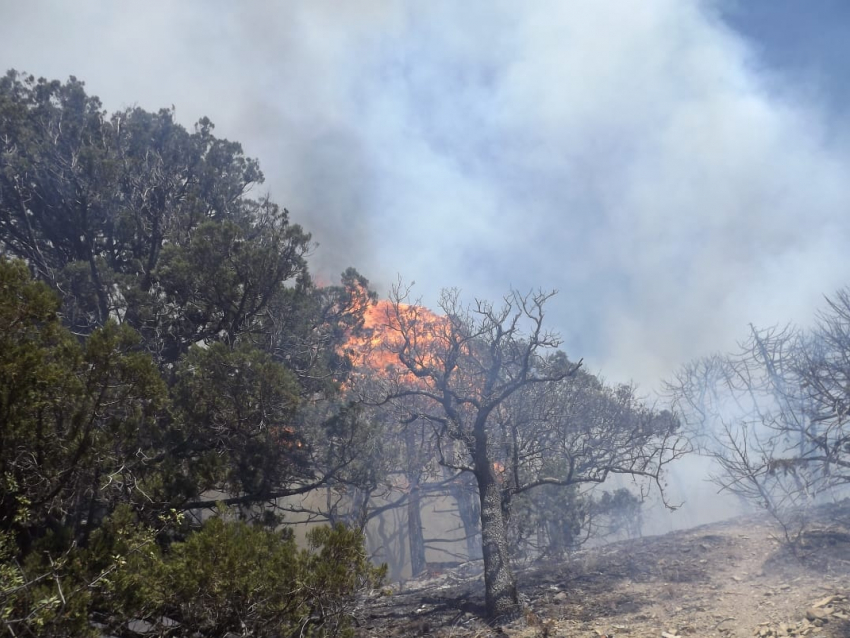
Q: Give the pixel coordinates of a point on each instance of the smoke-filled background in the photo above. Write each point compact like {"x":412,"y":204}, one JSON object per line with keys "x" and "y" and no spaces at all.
{"x":674,"y":168}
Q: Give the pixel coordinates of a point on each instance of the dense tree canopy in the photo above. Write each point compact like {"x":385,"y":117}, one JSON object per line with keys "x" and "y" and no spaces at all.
{"x":132,"y":219}
{"x":75,"y":418}
{"x":172,"y":352}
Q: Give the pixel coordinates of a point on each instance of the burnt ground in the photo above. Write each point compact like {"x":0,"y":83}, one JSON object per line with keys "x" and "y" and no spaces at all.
{"x":730,"y":579}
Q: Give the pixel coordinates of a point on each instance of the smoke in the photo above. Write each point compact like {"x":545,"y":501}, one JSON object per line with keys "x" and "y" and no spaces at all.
{"x":641,"y":158}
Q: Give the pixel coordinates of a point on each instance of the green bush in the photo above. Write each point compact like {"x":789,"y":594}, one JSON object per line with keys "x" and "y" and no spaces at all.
{"x":237,"y":577}
{"x":44,"y":594}
{"x":229,"y":576}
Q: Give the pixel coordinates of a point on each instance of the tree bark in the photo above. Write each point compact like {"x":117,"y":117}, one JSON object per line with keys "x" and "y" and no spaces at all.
{"x":499,"y":583}
{"x":414,"y":530}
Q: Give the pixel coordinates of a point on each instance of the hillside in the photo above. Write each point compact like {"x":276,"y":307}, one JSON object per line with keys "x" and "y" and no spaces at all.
{"x":730,"y":579}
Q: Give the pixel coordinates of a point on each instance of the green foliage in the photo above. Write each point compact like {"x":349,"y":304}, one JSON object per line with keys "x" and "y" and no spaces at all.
{"x":123,"y":552}
{"x":311,"y":326}
{"x":88,"y":425}
{"x":94,"y":203}
{"x":622,"y":510}
{"x":233,"y":576}
{"x":42,"y":597}
{"x":74,"y":419}
{"x":237,"y":406}
{"x":228,"y":576}
{"x":132,"y":218}
{"x":551,"y":519}
{"x":57,"y":589}
{"x":174,"y":346}
{"x":337,"y":566}
{"x":219,"y":283}
{"x":230,"y":573}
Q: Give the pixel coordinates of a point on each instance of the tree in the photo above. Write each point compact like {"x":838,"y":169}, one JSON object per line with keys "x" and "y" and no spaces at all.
{"x":132,"y":219}
{"x":75,"y":420}
{"x":554,"y":520}
{"x":824,"y":373}
{"x":184,"y":356}
{"x":234,"y":577}
{"x":773,"y":415}
{"x":503,"y":403}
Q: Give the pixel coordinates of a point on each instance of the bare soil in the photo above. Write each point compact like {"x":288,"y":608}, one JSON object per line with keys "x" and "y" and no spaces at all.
{"x":732,"y":579}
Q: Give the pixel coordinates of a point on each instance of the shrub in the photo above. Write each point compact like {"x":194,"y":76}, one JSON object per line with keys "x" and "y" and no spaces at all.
{"x":229,"y":576}
{"x":233,"y":576}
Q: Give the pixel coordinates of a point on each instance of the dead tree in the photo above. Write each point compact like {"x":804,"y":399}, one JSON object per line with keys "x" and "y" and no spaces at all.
{"x":471,"y":371}
{"x":773,"y":415}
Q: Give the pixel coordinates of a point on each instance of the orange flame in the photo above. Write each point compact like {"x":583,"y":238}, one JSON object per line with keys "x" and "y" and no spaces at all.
{"x":381,"y":340}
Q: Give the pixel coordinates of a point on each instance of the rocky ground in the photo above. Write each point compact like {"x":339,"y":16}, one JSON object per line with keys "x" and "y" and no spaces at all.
{"x":731,"y":579}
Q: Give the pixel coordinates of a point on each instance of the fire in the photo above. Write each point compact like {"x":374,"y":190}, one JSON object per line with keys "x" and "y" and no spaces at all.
{"x":287,"y":432}
{"x":381,"y":340}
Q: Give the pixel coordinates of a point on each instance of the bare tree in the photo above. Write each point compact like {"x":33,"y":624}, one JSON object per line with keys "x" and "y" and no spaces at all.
{"x":773,"y":415}
{"x":576,"y":434}
{"x":496,"y":392}
{"x":823,"y":369}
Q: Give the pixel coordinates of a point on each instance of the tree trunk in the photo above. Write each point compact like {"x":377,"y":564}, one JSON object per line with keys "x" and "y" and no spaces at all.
{"x":414,"y":530}
{"x":499,"y":583}
{"x":415,"y":535}
{"x":463,"y":491}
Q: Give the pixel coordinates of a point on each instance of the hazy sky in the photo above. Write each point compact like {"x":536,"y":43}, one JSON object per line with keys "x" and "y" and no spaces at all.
{"x":675,"y":168}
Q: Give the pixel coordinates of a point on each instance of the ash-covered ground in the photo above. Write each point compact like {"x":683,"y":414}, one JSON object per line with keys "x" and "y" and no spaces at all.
{"x":731,"y":579}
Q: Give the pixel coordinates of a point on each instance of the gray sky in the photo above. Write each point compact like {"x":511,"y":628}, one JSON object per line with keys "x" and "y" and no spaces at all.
{"x":674,"y":168}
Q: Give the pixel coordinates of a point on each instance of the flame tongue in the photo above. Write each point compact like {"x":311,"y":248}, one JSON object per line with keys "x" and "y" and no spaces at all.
{"x":376,"y":348}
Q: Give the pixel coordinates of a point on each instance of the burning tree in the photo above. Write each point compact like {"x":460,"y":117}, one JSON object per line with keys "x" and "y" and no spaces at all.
{"x":504,"y":405}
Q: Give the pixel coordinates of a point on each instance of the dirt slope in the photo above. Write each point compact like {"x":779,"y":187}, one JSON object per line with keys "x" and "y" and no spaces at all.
{"x":730,"y":579}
